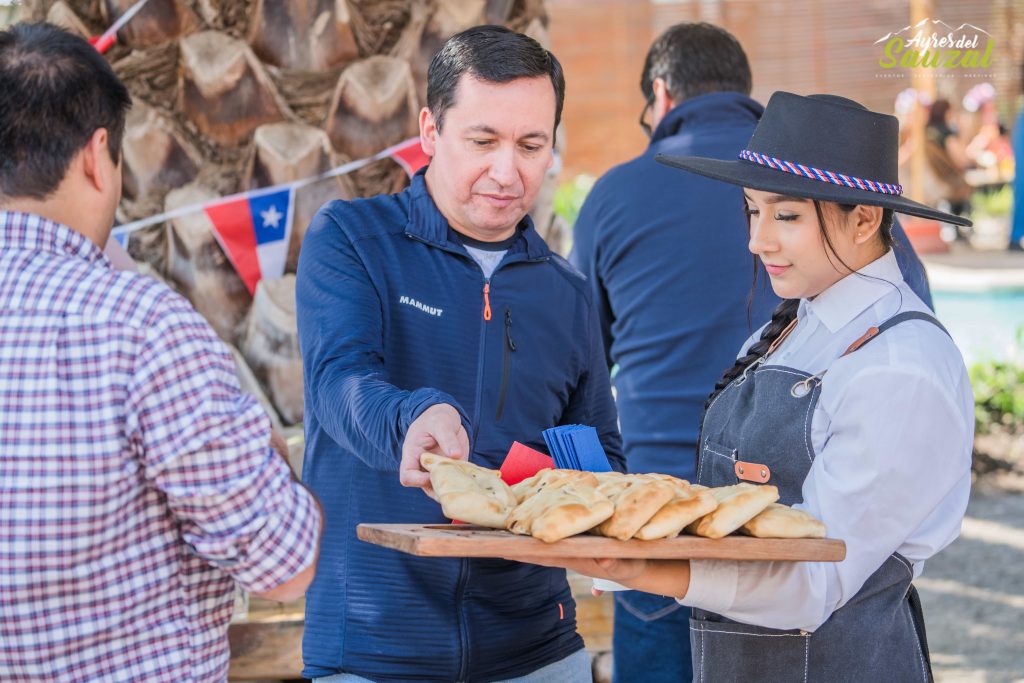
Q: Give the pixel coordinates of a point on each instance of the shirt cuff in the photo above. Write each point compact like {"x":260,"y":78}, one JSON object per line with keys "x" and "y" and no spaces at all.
{"x":289,"y":544}
{"x":713,"y":585}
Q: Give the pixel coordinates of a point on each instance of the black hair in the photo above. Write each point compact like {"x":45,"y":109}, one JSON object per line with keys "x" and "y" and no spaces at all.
{"x":785,"y":312}
{"x":56,"y":90}
{"x":696,"y":59}
{"x":490,"y":53}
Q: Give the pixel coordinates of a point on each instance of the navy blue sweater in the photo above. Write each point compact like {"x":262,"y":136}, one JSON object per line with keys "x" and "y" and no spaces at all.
{"x":390,"y":311}
{"x":666,"y":252}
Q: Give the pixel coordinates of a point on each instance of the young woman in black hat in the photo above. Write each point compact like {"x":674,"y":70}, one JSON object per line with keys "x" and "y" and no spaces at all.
{"x":853,"y":400}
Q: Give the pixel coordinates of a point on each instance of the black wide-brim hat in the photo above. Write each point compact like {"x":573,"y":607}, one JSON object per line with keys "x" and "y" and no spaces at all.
{"x":820,"y":147}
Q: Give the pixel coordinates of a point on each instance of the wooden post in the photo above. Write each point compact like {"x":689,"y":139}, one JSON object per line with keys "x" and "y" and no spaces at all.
{"x":267,"y":642}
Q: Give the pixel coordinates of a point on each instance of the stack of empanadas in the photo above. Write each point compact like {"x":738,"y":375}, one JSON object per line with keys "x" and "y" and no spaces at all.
{"x":555,"y":504}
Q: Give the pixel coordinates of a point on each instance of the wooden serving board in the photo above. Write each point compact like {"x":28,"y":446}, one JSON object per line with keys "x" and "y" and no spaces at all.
{"x":463,"y":540}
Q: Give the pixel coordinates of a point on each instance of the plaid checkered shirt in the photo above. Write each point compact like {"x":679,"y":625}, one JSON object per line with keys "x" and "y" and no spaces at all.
{"x":136,"y":481}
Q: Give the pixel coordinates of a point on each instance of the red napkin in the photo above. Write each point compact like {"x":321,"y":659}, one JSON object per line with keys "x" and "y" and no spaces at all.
{"x":522,"y":462}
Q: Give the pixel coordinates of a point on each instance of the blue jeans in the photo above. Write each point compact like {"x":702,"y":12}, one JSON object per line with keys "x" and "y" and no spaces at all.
{"x":573,"y":669}
{"x":651,"y":639}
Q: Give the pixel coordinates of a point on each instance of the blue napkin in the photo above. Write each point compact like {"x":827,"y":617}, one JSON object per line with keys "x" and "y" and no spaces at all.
{"x":576,"y":447}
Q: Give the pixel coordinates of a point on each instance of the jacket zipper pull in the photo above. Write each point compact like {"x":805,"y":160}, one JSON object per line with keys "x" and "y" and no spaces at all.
{"x":508,"y":329}
{"x":487,"y":300}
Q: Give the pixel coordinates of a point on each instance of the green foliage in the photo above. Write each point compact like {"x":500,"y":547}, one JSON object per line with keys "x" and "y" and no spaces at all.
{"x":999,"y":391}
{"x":997,"y":203}
{"x":570,"y":195}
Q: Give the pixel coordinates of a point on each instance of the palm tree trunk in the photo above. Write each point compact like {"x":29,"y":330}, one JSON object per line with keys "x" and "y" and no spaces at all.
{"x":235,"y":94}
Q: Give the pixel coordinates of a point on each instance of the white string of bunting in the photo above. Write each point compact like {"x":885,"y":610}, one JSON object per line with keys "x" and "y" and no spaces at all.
{"x":105,"y":40}
{"x":128,"y":228}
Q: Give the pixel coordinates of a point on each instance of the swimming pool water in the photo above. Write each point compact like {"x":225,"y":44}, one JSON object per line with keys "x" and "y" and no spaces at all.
{"x":983,"y":324}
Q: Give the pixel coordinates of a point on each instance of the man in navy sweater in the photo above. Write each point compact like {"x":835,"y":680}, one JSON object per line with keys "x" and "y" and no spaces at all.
{"x":437,"y":320}
{"x":672,"y":275}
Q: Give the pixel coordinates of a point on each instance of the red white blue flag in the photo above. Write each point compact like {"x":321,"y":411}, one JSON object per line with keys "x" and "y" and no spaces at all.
{"x":410,"y":156}
{"x":254,"y":230}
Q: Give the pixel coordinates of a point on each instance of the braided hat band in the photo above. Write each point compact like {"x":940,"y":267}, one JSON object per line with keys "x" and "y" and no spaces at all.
{"x":819,"y":174}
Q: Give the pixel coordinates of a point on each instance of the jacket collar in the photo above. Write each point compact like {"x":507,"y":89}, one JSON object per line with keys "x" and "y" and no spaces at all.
{"x":712,"y":109}
{"x":32,"y":232}
{"x":838,"y":305}
{"x":428,"y":224}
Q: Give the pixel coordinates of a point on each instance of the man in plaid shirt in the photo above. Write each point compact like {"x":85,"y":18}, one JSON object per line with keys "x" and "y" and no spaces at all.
{"x":137,"y":484}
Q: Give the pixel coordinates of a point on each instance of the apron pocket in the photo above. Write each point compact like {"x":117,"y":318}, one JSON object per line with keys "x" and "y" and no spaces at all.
{"x":728,"y":651}
{"x":717,"y":465}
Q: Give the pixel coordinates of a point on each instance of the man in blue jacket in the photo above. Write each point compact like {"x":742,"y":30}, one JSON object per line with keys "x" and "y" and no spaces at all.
{"x":667,"y":257}
{"x":437,"y":320}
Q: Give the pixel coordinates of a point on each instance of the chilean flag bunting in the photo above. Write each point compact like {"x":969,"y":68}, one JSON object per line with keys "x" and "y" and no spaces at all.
{"x":254,"y":230}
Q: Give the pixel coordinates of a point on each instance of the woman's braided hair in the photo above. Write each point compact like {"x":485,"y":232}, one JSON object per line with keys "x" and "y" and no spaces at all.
{"x":785,"y":312}
{"x":782,"y":316}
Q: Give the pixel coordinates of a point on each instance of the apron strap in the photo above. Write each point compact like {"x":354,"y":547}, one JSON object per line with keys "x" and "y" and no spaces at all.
{"x":782,"y":337}
{"x":892,"y":322}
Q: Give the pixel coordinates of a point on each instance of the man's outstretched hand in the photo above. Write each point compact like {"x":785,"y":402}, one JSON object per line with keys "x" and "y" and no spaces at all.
{"x":437,"y":430}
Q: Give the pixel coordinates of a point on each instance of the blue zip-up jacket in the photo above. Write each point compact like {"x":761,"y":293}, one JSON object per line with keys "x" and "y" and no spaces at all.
{"x":391,"y":321}
{"x":666,"y":252}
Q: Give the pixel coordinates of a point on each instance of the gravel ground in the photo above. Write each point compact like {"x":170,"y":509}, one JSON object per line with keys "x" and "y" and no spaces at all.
{"x":973,"y":592}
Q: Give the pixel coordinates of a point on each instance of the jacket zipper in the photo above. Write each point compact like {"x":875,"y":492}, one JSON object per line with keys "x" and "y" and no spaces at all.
{"x":463,"y":625}
{"x":506,"y":362}
{"x":487,"y":300}
{"x":464,"y":564}
{"x":485,"y":318}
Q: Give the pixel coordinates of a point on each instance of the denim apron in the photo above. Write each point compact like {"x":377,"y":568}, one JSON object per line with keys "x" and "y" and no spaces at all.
{"x":759,"y":429}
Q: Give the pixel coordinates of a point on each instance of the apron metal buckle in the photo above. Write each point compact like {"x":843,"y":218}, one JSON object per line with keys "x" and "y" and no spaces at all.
{"x":802,"y":388}
{"x":749,"y":368}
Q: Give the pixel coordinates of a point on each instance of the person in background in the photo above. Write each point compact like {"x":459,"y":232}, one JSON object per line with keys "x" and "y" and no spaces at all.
{"x":668,"y":264}
{"x":1017,"y":226}
{"x":989,"y":143}
{"x":947,"y":157}
{"x":137,"y":482}
{"x":438,"y":320}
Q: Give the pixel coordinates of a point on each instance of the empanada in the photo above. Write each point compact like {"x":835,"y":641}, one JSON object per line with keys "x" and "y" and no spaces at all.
{"x":568,"y":510}
{"x":737,"y":505}
{"x":687,"y":505}
{"x":637,"y":498}
{"x":782,"y":521}
{"x":468,"y":492}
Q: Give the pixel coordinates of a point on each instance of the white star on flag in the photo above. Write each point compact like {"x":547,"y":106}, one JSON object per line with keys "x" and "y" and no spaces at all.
{"x":271,"y":217}
{"x":254,"y":229}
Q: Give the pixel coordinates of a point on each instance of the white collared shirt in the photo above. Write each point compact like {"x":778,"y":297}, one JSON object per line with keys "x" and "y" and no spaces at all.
{"x":892,"y":434}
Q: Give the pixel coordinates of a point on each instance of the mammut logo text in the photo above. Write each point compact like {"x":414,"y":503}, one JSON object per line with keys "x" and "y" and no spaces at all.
{"x":409,"y":301}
